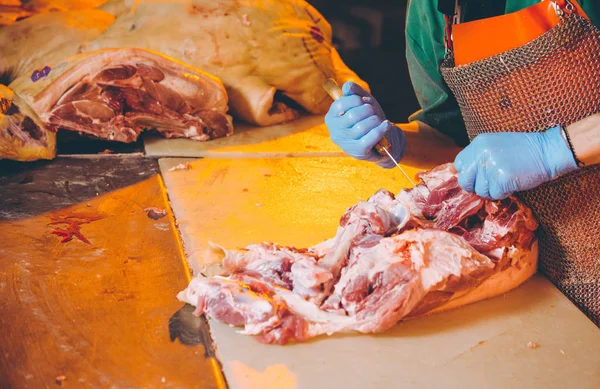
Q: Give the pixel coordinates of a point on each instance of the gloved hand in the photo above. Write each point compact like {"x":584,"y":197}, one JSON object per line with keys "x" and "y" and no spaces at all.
{"x":357,"y":123}
{"x":497,"y":164}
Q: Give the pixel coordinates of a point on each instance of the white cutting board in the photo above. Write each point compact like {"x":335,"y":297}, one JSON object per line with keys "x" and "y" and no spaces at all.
{"x":304,"y":136}
{"x":298,"y":201}
{"x":479,"y":346}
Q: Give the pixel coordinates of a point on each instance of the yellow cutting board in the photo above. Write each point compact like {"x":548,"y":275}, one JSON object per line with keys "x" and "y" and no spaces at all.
{"x":299,"y":201}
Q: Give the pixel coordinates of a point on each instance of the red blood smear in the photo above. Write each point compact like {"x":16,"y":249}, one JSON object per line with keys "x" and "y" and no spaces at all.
{"x":72,"y":226}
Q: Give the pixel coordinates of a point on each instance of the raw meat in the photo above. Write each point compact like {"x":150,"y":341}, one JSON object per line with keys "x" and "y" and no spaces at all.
{"x":23,"y":136}
{"x":287,"y":267}
{"x":155,"y":213}
{"x":273,"y":56}
{"x":116,"y":94}
{"x":381,"y":284}
{"x":392,"y":258}
{"x":486,"y":225}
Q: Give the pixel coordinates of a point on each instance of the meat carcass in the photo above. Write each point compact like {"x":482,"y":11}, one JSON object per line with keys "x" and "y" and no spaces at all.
{"x":46,"y":39}
{"x":116,"y":94}
{"x":28,"y":48}
{"x":23,"y":136}
{"x":428,"y":249}
{"x":12,"y":11}
{"x":271,"y":55}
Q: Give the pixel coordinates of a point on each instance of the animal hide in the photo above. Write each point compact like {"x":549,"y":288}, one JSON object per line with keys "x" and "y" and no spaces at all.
{"x":272,"y":56}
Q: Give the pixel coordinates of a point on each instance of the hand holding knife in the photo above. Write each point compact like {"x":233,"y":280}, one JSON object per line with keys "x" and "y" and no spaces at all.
{"x":382,"y":147}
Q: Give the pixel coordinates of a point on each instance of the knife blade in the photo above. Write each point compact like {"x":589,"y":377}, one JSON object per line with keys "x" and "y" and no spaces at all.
{"x":383,"y":147}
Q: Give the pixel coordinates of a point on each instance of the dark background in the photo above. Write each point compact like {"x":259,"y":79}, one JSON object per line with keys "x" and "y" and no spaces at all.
{"x":369,"y":35}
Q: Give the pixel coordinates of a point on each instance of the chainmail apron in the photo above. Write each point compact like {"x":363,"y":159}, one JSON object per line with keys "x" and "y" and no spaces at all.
{"x":554,"y":79}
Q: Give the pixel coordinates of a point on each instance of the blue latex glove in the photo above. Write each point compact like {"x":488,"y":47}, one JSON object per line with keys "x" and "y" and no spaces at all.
{"x":497,"y":164}
{"x":357,"y":123}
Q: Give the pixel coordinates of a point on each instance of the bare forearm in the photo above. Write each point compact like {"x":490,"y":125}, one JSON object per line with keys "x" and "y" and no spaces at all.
{"x":585,"y":138}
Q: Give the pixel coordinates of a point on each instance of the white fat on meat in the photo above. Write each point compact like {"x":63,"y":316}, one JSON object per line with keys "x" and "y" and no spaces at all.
{"x":230,"y":302}
{"x":307,"y":275}
{"x":287,"y":267}
{"x":438,"y":255}
{"x":383,"y":283}
{"x":320,"y":321}
{"x":380,"y":215}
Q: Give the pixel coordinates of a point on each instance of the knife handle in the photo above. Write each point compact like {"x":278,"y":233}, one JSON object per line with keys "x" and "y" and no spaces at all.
{"x":335,"y":92}
{"x":383,"y":143}
{"x":333,"y":89}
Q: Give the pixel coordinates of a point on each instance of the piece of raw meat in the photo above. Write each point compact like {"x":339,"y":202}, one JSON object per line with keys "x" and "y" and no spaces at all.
{"x":384,"y":283}
{"x":275,"y":314}
{"x":287,"y":267}
{"x":381,"y":285}
{"x":46,"y":39}
{"x":428,"y":249}
{"x":486,"y":225}
{"x":155,"y":213}
{"x":23,"y":136}
{"x":360,"y":226}
{"x":273,"y":56}
{"x":116,"y":94}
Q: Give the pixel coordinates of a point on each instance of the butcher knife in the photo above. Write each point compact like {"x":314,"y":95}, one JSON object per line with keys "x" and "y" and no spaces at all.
{"x":384,"y":145}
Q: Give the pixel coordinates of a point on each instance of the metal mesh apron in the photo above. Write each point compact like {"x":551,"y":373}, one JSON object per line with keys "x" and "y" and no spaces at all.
{"x":552,"y":80}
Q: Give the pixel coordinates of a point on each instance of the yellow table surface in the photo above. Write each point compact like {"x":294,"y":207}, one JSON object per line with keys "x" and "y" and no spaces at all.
{"x":96,"y":315}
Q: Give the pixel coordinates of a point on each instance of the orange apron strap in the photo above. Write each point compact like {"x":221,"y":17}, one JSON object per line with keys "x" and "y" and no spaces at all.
{"x":479,"y":39}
